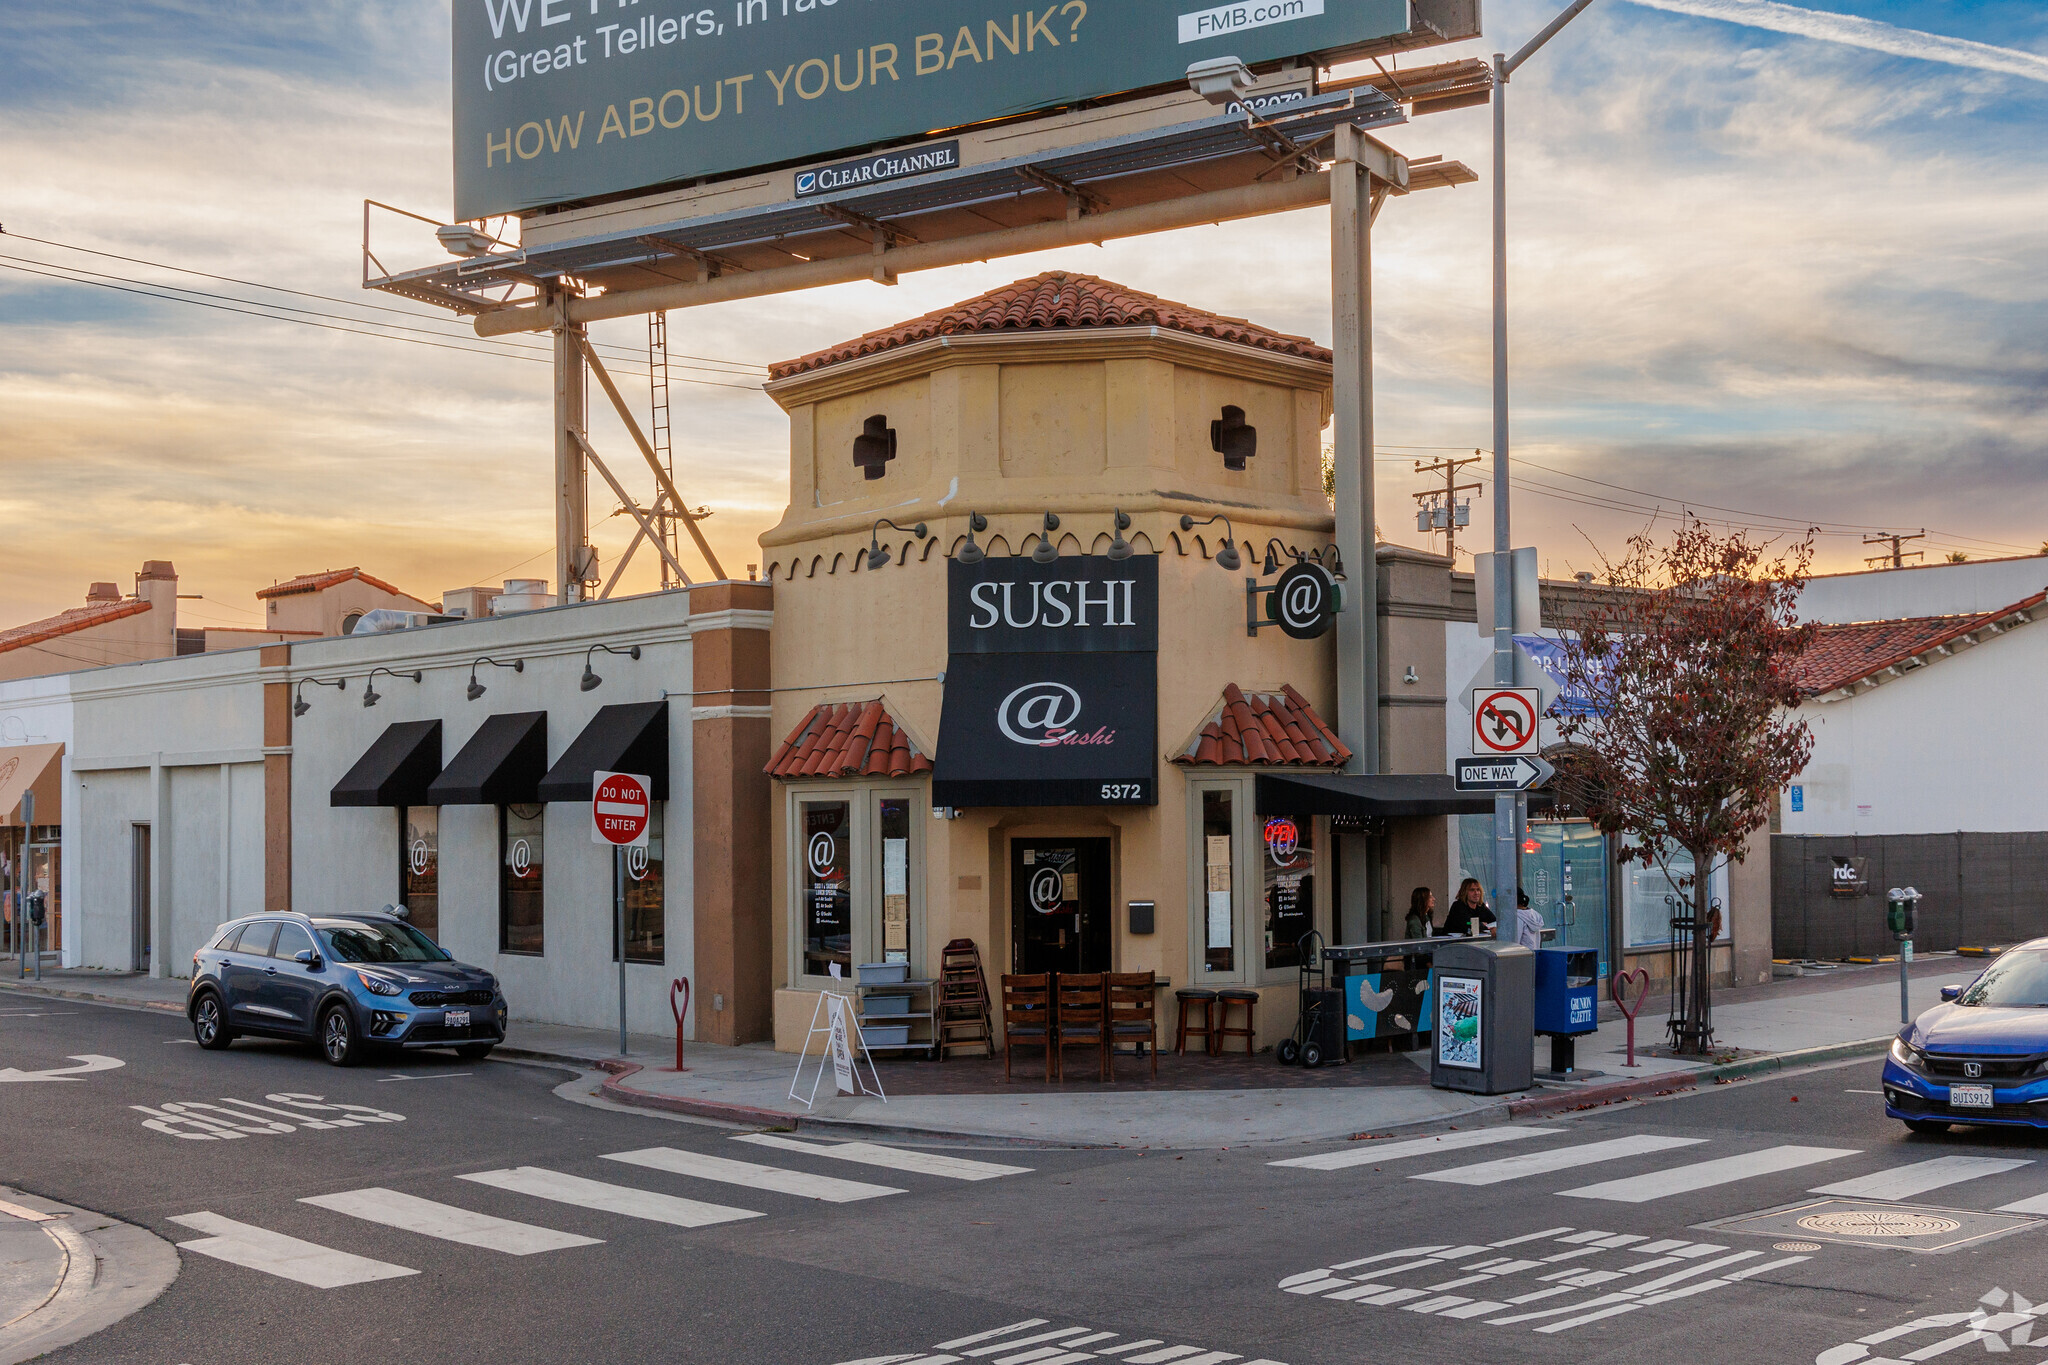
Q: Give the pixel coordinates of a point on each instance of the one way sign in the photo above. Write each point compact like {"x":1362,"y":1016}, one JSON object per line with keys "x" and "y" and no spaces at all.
{"x":1516,"y":774}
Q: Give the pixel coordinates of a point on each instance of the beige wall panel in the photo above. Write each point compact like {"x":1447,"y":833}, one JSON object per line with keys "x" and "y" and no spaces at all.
{"x":1054,"y":421}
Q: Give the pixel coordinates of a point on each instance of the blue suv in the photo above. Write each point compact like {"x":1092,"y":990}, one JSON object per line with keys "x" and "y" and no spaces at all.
{"x":347,"y":982}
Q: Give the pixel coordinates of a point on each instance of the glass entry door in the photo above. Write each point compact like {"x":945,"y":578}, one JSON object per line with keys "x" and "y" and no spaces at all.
{"x":1059,"y":905}
{"x":1564,"y":870}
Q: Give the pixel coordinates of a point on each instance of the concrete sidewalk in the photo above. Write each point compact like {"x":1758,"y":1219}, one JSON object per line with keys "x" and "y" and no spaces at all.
{"x":1788,"y":1023}
{"x":66,"y":1273}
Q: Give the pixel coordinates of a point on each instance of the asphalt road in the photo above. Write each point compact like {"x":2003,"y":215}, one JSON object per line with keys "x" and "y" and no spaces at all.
{"x":1592,"y":1243}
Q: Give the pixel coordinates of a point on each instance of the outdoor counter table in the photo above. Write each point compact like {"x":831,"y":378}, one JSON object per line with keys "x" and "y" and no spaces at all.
{"x":1379,"y":1003}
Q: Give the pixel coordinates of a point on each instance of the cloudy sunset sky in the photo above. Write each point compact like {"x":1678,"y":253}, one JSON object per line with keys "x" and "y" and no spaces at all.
{"x":1783,"y":265}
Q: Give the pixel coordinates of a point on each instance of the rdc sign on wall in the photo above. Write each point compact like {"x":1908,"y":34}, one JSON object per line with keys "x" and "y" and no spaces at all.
{"x":1051,"y":684}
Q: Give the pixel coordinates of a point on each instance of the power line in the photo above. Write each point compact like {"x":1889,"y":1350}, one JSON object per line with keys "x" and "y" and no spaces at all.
{"x":300,"y":293}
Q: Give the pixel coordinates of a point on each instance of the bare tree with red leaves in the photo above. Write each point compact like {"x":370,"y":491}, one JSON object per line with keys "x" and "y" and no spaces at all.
{"x":1683,"y":688}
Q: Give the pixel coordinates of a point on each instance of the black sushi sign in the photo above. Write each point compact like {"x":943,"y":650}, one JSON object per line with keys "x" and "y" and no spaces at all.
{"x":1051,"y":684}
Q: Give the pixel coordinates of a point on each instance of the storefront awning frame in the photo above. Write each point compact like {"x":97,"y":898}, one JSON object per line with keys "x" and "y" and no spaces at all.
{"x":630,"y":738}
{"x":32,"y":767}
{"x":1385,"y":795}
{"x":396,"y":770}
{"x":502,"y":764}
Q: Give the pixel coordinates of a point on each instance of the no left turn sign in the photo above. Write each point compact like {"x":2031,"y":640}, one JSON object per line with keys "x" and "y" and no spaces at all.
{"x":1504,"y":720}
{"x":620,"y":809}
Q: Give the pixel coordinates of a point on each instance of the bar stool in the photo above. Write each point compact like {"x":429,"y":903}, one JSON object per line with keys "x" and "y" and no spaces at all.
{"x":1195,"y":995}
{"x":1235,"y":995}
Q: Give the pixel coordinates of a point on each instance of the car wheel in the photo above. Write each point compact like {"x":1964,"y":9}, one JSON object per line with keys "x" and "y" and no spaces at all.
{"x":474,"y":1052}
{"x":1289,"y":1052}
{"x":1927,"y":1126}
{"x":209,"y":1026}
{"x":338,"y":1038}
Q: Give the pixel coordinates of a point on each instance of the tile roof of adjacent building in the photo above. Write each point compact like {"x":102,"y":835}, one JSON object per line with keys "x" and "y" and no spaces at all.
{"x":69,"y":623}
{"x":1056,"y":299}
{"x":1841,"y":656}
{"x":848,"y":739}
{"x":1272,"y":728}
{"x":315,"y":582}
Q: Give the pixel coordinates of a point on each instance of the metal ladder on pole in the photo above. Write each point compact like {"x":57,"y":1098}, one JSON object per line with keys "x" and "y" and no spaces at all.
{"x":659,"y":436}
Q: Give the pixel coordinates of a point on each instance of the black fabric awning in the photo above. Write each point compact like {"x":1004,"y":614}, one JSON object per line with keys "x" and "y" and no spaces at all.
{"x":1389,"y":795}
{"x":502,"y":765}
{"x":619,"y":739}
{"x":398,"y":770}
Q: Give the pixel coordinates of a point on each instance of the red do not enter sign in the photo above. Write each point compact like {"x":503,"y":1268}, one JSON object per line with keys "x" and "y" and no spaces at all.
{"x":620,"y":809}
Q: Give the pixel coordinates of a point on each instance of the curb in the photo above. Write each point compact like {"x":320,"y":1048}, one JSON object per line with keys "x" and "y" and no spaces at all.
{"x":1672,"y":1083}
{"x":33,"y":987}
{"x":111,"y":1270}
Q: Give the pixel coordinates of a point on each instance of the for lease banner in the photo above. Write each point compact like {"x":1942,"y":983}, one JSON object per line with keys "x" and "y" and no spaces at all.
{"x":561,"y":100}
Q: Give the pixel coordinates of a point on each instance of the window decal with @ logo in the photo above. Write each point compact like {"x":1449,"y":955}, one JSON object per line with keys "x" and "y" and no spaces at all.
{"x":636,"y":862}
{"x":1039,"y":714}
{"x":522,"y":858}
{"x":1047,"y":891}
{"x":822,"y":853}
{"x":419,"y":857}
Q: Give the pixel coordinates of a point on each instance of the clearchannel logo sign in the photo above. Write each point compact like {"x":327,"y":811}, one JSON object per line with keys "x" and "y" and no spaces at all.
{"x":1045,"y":715}
{"x":878,"y":169}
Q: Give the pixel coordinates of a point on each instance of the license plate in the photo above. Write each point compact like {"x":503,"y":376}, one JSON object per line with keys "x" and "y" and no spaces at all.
{"x":1969,"y":1096}
{"x":460,"y":1019}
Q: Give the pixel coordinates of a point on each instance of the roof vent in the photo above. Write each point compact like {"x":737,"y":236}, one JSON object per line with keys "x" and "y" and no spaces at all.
{"x":100,"y":593}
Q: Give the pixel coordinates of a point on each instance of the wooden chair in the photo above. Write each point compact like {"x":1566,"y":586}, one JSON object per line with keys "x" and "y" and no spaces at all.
{"x":1081,"y":1016}
{"x":1133,"y":1015}
{"x":1027,"y":1018}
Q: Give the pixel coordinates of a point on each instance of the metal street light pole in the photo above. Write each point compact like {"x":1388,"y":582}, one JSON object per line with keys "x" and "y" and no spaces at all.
{"x":1506,"y":856}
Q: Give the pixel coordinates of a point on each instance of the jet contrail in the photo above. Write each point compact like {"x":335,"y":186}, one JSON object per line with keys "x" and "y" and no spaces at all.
{"x":1860,"y":32}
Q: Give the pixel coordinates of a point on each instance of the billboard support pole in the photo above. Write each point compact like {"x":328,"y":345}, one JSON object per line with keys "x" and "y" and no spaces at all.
{"x":572,"y":416}
{"x":1351,"y":211}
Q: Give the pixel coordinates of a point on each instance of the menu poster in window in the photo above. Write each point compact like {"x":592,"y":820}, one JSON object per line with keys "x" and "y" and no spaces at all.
{"x":826,"y":887}
{"x":1460,"y":1007}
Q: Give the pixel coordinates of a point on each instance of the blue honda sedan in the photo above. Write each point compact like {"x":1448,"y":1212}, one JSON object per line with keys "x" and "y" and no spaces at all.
{"x":1981,"y":1056}
{"x":351,"y":983}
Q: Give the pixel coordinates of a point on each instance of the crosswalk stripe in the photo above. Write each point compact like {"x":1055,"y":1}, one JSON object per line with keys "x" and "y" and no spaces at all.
{"x":595,"y":1194}
{"x":2036,"y":1204}
{"x":445,"y":1221}
{"x":1903,"y":1182}
{"x":1374,"y":1152}
{"x":1641,"y":1189}
{"x":830,"y":1189}
{"x":892,"y":1158}
{"x":1040,"y":1340}
{"x":1557,"y":1159}
{"x":288,"y":1258}
{"x":991,"y":1333}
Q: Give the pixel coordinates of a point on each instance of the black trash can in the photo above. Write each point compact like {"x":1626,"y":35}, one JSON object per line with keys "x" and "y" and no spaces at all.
{"x":1483,"y":993}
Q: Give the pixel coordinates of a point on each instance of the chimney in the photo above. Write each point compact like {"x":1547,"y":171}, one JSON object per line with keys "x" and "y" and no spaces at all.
{"x":157,"y":585}
{"x":100,"y":594}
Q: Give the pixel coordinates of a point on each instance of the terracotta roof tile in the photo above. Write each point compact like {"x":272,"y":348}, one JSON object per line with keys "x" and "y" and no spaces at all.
{"x":848,"y":739}
{"x":68,"y":623}
{"x":1848,"y":653}
{"x":1056,"y":299}
{"x":315,"y":582}
{"x":1276,"y":729}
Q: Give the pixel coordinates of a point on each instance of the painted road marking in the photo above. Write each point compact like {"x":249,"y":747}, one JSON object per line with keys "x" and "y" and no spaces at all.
{"x":1061,"y":1346}
{"x":1641,"y":1189}
{"x":445,"y":1221}
{"x":288,"y":1258}
{"x":1903,"y":1182}
{"x":1557,"y":1159}
{"x":831,"y":1189}
{"x":596,"y":1194}
{"x":2037,"y":1204}
{"x":1374,"y":1152}
{"x":893,"y":1158}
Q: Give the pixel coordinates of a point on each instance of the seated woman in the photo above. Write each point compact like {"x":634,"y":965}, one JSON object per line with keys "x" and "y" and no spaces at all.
{"x":1470,"y":914}
{"x":1421,"y":913}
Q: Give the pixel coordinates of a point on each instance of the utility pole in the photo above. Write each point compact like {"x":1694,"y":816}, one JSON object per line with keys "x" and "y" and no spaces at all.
{"x":1894,"y":560}
{"x":1447,"y":518}
{"x":1506,"y":853}
{"x":660,"y":434}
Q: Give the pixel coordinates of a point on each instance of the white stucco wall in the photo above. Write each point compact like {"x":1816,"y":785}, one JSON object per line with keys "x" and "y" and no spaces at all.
{"x":347,"y":858}
{"x":1948,"y":747}
{"x":1928,"y":590}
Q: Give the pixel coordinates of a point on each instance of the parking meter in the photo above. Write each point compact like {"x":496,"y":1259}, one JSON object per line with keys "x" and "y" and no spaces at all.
{"x":38,"y":907}
{"x":1901,"y":914}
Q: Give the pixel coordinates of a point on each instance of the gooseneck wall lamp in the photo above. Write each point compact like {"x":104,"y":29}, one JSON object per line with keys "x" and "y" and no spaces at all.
{"x":1119,"y":548}
{"x":371,"y":696}
{"x":970,"y":553}
{"x":878,"y":558}
{"x":300,"y":706}
{"x":1045,"y":552}
{"x":477,"y":689}
{"x":1227,"y":558}
{"x":591,"y":681}
{"x":1272,"y":564}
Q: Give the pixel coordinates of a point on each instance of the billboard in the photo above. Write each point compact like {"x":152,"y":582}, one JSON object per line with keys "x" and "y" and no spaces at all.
{"x":561,"y":100}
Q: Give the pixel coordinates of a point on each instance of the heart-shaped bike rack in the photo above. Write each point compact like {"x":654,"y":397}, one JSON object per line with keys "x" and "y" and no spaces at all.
{"x":1618,"y":987}
{"x":681,"y":985}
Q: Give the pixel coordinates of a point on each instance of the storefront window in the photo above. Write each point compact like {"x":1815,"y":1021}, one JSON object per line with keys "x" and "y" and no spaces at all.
{"x":1564,"y":870}
{"x":521,"y":868}
{"x":419,"y":867}
{"x":1649,"y":899}
{"x":646,"y":898}
{"x":1290,"y":886}
{"x":1219,"y":923}
{"x":827,"y":891}
{"x":895,"y":880}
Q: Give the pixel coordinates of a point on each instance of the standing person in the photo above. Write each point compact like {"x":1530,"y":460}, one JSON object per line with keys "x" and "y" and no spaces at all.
{"x":1421,"y":913}
{"x":1470,"y":914}
{"x":1528,"y":923}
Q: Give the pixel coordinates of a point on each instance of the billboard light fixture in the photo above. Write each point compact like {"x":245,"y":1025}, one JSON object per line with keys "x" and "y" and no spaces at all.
{"x":1220,"y":80}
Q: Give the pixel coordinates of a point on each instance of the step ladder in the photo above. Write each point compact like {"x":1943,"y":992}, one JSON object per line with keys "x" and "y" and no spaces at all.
{"x":963,"y":1006}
